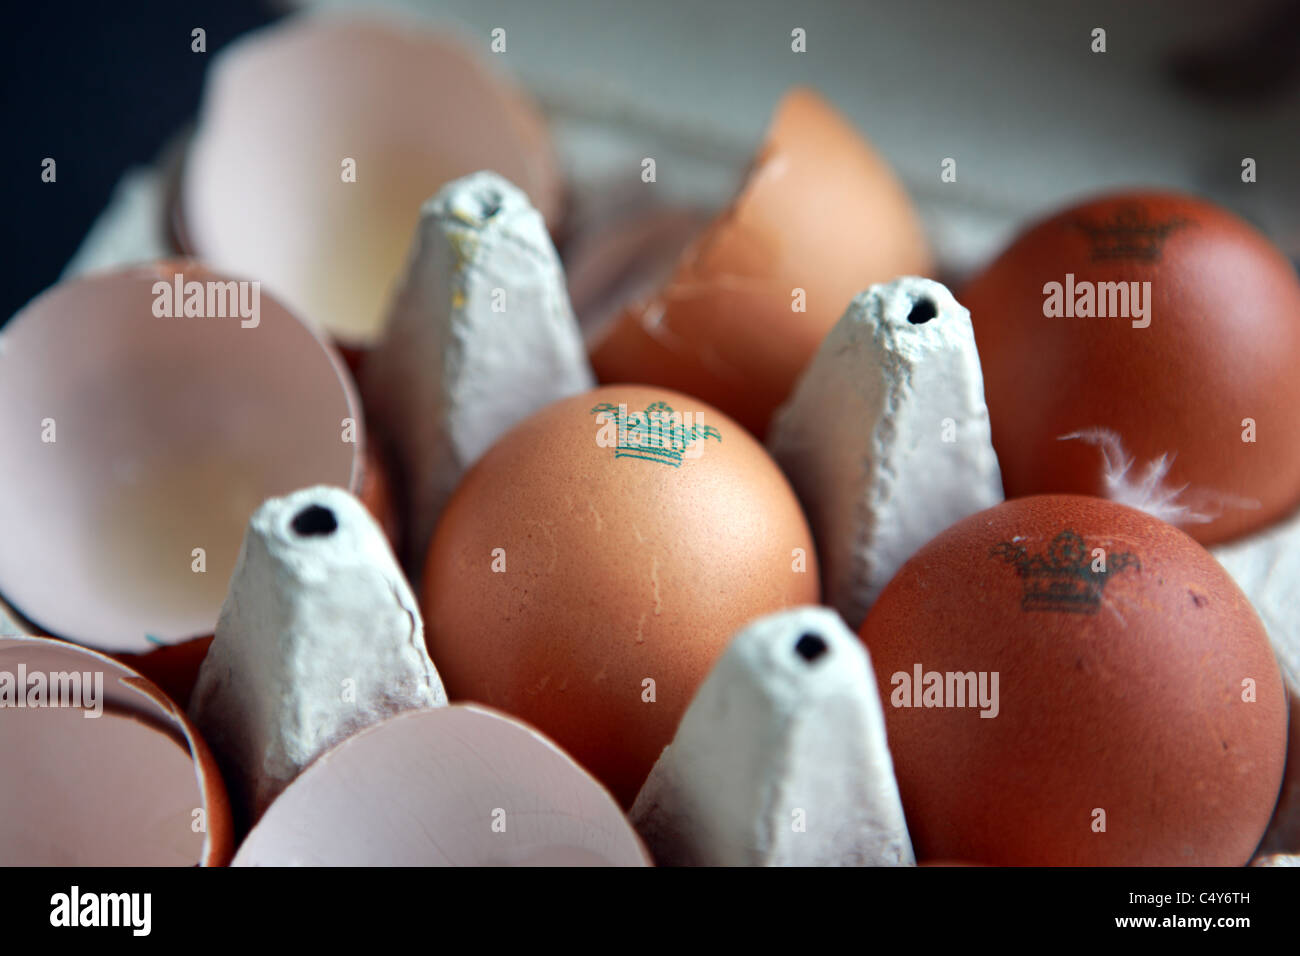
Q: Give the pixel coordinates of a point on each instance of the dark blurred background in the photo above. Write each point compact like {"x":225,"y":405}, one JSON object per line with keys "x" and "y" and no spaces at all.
{"x":1186,"y":89}
{"x":99,"y":87}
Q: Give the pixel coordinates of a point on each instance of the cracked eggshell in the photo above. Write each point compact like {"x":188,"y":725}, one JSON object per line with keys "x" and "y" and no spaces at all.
{"x":134,"y":786}
{"x":283,"y":110}
{"x":1120,"y":691}
{"x":1222,"y":346}
{"x":822,"y":212}
{"x":133,"y":439}
{"x":578,"y":561}
{"x":456,"y":786}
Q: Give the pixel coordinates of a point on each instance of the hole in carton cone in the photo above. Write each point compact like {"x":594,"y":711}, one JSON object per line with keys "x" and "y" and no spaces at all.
{"x":490,"y":204}
{"x":922,"y":312}
{"x":315,"y":520}
{"x":810,"y":647}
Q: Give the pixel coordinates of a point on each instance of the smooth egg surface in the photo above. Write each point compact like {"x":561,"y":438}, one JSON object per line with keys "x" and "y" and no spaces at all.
{"x":1068,"y":681}
{"x":1144,"y":347}
{"x":592,"y":565}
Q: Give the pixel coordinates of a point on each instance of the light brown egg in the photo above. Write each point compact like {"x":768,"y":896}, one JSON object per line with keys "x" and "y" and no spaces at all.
{"x":1138,"y":715}
{"x":1205,"y":380}
{"x":585,"y":576}
{"x":820,"y":212}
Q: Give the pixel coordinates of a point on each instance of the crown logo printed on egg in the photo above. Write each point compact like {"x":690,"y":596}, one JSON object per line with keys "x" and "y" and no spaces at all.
{"x":1063,"y":579}
{"x":656,"y":434}
{"x":1130,"y":234}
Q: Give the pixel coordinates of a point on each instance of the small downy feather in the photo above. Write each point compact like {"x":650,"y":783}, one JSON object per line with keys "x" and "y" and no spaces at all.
{"x":1148,"y":492}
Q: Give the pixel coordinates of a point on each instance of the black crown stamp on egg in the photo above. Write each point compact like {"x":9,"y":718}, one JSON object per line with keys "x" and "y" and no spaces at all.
{"x":657,"y":434}
{"x":1068,"y":578}
{"x":1130,"y":234}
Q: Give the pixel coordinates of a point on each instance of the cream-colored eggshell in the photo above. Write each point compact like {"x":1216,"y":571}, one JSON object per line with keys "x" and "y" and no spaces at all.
{"x":455,"y":786}
{"x":284,"y":111}
{"x":130,"y":440}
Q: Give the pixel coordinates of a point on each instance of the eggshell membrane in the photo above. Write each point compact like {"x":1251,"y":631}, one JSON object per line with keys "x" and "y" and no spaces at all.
{"x":1223,"y":345}
{"x":820,"y":211}
{"x":618,"y":569}
{"x":624,"y":257}
{"x":120,"y":789}
{"x":168,"y":433}
{"x":453,"y":786}
{"x":1134,"y":707}
{"x":263,"y":189}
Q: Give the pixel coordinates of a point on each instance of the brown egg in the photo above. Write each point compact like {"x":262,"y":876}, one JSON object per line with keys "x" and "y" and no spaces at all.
{"x":586,"y":574}
{"x":1221,"y":347}
{"x":1119,"y":698}
{"x":820,"y":212}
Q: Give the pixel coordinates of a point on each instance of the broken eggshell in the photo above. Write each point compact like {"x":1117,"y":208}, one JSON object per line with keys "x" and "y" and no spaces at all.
{"x":319,"y":637}
{"x":138,"y":444}
{"x":320,"y":137}
{"x":134,"y":786}
{"x":820,"y":217}
{"x":454,"y":786}
{"x":175,"y":667}
{"x":626,"y":256}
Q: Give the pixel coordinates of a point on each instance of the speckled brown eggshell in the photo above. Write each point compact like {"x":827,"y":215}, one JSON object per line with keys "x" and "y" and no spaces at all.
{"x":616,"y":570}
{"x":1223,"y":345}
{"x":1132,"y":705}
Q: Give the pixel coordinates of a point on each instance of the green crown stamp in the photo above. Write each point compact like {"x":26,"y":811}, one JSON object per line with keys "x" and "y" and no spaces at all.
{"x":657,"y":434}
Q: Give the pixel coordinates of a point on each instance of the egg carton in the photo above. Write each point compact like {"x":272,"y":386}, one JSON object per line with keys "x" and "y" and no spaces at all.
{"x":758,"y":745}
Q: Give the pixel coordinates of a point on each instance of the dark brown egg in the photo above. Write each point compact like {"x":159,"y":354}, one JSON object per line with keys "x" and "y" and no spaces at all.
{"x":1194,"y":358}
{"x":1069,"y":681}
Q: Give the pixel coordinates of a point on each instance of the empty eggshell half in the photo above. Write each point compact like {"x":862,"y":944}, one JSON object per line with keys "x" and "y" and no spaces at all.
{"x":100,"y":768}
{"x":320,"y":137}
{"x":453,"y":786}
{"x":136,"y":447}
{"x":820,"y":217}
